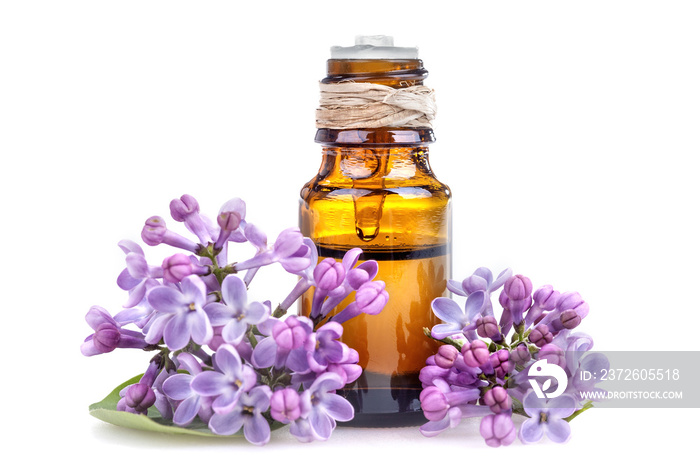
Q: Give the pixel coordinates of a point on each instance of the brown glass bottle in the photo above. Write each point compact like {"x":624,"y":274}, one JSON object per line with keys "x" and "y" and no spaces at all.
{"x":375,"y":190}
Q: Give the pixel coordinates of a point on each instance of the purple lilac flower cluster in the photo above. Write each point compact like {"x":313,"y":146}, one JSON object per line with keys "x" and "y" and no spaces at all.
{"x":221,"y":358}
{"x":526,"y":361}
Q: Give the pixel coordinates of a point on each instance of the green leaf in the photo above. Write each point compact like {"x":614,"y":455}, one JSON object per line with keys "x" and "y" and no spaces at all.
{"x":106,"y":410}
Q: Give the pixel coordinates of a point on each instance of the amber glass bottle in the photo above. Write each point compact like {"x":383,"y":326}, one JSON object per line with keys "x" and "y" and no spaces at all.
{"x":375,"y":190}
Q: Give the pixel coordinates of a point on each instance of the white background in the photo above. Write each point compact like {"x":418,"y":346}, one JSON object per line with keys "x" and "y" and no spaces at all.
{"x":568,"y":132}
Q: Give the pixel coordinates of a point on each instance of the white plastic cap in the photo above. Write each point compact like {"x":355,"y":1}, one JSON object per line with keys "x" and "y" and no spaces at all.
{"x":374,"y":47}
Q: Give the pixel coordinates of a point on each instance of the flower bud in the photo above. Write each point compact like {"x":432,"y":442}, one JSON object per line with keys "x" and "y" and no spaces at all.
{"x":176,"y":267}
{"x":487,"y":327}
{"x":154,"y":231}
{"x":329,"y":274}
{"x":553,"y":354}
{"x":446,"y":356}
{"x":501,"y":362}
{"x":474,"y":283}
{"x":106,"y":338}
{"x":573,"y":300}
{"x":518,"y":287}
{"x":285,"y":405}
{"x":546,"y":297}
{"x":139,"y":397}
{"x":288,"y":242}
{"x":231,"y":214}
{"x":357,"y":277}
{"x":228,"y":221}
{"x":475,"y":353}
{"x":371,"y":297}
{"x":541,"y":335}
{"x":289,"y":334}
{"x":433,"y":403}
{"x":182,"y":208}
{"x":520,"y":354}
{"x":498,"y":399}
{"x":570,"y":319}
{"x":497,"y":429}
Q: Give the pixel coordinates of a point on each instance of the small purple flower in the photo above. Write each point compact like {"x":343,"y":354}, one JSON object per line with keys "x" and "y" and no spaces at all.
{"x":370,"y":299}
{"x":329,"y":274}
{"x":186,"y":210}
{"x":283,"y":336}
{"x":573,"y":300}
{"x":138,"y":397}
{"x":452,"y":418}
{"x":291,"y":333}
{"x":480,"y":280}
{"x":348,"y":368}
{"x":108,"y":335}
{"x":306,"y":280}
{"x":547,"y":417}
{"x":570,"y":319}
{"x":518,"y":290}
{"x":446,"y":356}
{"x":235,"y":313}
{"x":457,"y":320}
{"x":438,"y":399}
{"x":498,"y":399}
{"x":498,"y":429}
{"x":179,"y":266}
{"x":230,"y":379}
{"x":180,"y":314}
{"x":501,"y":363}
{"x":289,"y":251}
{"x":475,"y":353}
{"x":138,"y":277}
{"x":541,"y":335}
{"x":518,"y":287}
{"x":155,"y":232}
{"x":323,"y":348}
{"x":285,"y":405}
{"x":487,"y":327}
{"x":544,"y":299}
{"x":355,"y":277}
{"x":230,"y":219}
{"x":323,"y":407}
{"x":520,"y":354}
{"x":246,"y":414}
{"x":179,"y":387}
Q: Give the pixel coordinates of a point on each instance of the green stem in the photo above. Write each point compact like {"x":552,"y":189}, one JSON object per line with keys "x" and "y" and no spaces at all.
{"x":586,"y":406}
{"x":447,"y":340}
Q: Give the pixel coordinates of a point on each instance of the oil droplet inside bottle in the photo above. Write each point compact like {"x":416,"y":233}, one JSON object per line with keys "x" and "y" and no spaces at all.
{"x":368,"y":213}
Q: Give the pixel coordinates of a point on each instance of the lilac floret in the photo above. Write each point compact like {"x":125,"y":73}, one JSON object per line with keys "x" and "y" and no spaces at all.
{"x":235,"y":314}
{"x":285,"y":405}
{"x":547,"y":417}
{"x":475,"y":353}
{"x":457,"y":319}
{"x":323,"y":407}
{"x":230,"y":379}
{"x":108,"y":334}
{"x":246,"y":414}
{"x":498,"y":399}
{"x":180,"y":314}
{"x":498,"y":429}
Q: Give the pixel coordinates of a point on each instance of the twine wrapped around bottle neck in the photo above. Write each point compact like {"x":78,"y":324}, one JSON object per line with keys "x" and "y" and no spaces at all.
{"x":351,"y":105}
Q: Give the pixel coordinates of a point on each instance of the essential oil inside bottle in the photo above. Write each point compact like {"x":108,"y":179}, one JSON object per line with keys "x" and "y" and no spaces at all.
{"x":375,"y":190}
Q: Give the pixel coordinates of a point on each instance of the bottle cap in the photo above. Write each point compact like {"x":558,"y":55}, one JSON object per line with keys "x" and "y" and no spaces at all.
{"x":374,"y":47}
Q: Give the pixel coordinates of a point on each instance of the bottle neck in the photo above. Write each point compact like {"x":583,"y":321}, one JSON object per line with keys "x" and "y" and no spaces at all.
{"x":393,"y":73}
{"x":393,"y":137}
{"x":397,"y":73}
